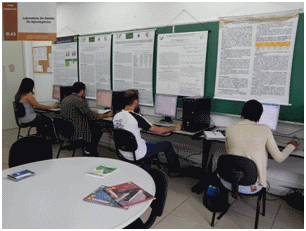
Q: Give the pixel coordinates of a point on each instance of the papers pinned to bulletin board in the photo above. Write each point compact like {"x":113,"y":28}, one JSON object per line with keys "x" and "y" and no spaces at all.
{"x":42,"y":59}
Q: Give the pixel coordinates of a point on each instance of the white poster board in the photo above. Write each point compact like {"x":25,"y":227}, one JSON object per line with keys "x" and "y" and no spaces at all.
{"x":94,"y":58}
{"x":65,"y":63}
{"x":133,"y":63}
{"x":181,"y":60}
{"x":255,"y":57}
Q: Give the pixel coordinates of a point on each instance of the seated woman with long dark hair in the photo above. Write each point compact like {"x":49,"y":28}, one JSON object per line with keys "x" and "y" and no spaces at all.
{"x":25,"y":96}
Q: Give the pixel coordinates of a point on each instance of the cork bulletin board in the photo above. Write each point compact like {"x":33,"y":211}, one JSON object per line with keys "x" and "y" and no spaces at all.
{"x":42,"y":59}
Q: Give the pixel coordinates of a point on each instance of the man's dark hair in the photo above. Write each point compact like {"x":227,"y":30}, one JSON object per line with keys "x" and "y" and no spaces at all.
{"x":78,"y":86}
{"x":252,"y":110}
{"x":130,"y":96}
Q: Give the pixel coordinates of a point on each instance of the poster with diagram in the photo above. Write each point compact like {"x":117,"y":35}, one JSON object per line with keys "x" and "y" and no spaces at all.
{"x":65,"y":63}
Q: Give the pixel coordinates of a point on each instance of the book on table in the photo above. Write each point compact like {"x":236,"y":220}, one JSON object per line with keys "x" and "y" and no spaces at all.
{"x":128,"y":194}
{"x":20,"y":175}
{"x":99,"y":196}
{"x":101,"y":171}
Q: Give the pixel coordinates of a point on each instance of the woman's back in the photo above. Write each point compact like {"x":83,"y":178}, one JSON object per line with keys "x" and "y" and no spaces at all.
{"x":29,"y":111}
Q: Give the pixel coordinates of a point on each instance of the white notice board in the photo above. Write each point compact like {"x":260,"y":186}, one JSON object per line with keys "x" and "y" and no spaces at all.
{"x":133,"y":63}
{"x":94,"y":61}
{"x":255,"y":57}
{"x":181,"y":60}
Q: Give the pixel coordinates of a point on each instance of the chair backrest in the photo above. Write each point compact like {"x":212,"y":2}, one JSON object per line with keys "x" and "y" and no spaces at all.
{"x":63,"y":128}
{"x":125,"y":141}
{"x":19,"y":111}
{"x":237,"y":170}
{"x":29,"y":149}
{"x":158,"y":204}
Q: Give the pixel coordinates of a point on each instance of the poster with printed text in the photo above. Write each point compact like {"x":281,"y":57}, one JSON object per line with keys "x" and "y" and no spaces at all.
{"x":181,"y":60}
{"x":65,"y":62}
{"x":255,"y":57}
{"x":133,"y":63}
{"x":95,"y":63}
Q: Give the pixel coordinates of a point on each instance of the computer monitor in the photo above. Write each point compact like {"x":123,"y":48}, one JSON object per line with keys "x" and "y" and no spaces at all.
{"x":118,"y":101}
{"x":56,"y":93}
{"x":270,"y":115}
{"x":104,"y":98}
{"x":165,"y":105}
{"x":65,"y":91}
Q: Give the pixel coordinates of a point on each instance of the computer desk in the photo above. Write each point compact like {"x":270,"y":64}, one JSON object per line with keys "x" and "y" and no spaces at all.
{"x":207,"y":144}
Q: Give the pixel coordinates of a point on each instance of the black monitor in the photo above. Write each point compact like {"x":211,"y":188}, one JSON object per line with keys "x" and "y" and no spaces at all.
{"x":165,"y":105}
{"x":56,"y":93}
{"x":118,"y":101}
{"x":65,"y":91}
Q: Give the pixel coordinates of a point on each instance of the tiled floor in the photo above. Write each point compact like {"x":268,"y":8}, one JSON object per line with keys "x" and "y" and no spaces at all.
{"x":184,"y":209}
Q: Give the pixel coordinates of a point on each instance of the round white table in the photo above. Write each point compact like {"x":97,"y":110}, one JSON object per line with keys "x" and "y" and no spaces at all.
{"x":53,"y":197}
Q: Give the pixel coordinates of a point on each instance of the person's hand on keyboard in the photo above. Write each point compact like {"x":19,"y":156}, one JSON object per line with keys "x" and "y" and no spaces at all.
{"x":54,"y":106}
{"x":178,"y":127}
{"x":294,"y":143}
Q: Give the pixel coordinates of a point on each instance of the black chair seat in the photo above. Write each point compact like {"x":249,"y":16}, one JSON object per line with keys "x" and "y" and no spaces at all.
{"x":126,"y":141}
{"x":19,"y":112}
{"x":239,"y":170}
{"x":29,"y":149}
{"x":65,"y":130}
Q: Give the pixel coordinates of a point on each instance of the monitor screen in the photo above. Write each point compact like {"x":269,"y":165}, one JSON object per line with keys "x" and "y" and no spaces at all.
{"x":270,"y":115}
{"x":56,"y":94}
{"x":104,"y":98}
{"x":65,"y":91}
{"x":165,"y":105}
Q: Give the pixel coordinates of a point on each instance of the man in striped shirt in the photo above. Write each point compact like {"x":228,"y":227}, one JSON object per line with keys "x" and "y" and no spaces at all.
{"x":75,"y":109}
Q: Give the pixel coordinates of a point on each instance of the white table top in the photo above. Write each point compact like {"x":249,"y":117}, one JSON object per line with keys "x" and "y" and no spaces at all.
{"x":53,"y":197}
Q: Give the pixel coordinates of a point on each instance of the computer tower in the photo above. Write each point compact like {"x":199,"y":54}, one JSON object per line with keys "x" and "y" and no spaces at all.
{"x":196,"y":113}
{"x":118,"y":102}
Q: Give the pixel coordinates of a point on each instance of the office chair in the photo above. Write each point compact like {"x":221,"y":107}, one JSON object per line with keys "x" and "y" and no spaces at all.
{"x":19,"y":112}
{"x":126,"y":141}
{"x":64,"y":130}
{"x":29,"y":149}
{"x":239,"y":170}
{"x":158,"y":204}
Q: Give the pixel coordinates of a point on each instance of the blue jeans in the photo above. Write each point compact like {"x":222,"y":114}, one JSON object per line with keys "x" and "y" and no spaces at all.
{"x":153,"y":148}
{"x":241,"y":188}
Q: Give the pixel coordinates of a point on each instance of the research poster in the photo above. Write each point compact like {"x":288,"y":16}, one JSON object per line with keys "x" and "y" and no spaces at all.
{"x":181,"y":60}
{"x":255,"y":57}
{"x":133,"y":63}
{"x":65,"y":63}
{"x":95,"y":63}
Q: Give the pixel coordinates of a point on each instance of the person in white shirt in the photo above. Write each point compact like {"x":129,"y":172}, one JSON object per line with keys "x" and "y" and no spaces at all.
{"x":254,"y":141}
{"x":133,"y":122}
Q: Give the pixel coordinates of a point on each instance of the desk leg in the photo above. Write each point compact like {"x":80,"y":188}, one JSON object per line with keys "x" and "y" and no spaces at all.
{"x":206,"y":168}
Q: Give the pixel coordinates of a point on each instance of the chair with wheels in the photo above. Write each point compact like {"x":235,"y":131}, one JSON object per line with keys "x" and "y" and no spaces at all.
{"x":29,"y":149}
{"x":126,"y":141}
{"x":239,"y":170}
{"x":19,"y":112}
{"x":64,"y":130}
{"x":157,"y":205}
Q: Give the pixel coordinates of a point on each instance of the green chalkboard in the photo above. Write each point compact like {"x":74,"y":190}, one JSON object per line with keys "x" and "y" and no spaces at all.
{"x":293,"y":113}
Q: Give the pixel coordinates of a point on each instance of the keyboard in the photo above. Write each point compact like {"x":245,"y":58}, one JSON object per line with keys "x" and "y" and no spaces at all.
{"x":163,"y":125}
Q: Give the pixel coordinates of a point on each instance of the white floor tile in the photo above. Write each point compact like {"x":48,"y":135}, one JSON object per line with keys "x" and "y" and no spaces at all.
{"x":144,"y":217}
{"x":289,"y":217}
{"x":194,"y":211}
{"x":174,"y":222}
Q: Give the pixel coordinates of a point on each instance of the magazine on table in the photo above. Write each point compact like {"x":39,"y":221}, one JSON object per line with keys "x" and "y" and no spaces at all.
{"x":128,"y":194}
{"x":101,"y":171}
